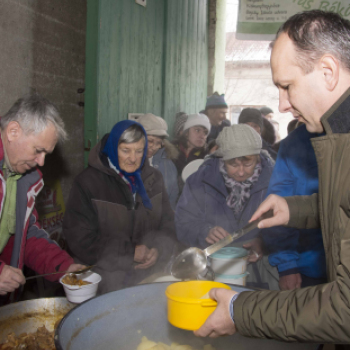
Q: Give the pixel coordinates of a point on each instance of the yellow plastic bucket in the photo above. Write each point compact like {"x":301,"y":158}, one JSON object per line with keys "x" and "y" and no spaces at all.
{"x":186,"y":307}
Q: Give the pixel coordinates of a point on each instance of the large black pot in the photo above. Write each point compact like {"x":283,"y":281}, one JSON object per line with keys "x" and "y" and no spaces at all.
{"x":118,"y":320}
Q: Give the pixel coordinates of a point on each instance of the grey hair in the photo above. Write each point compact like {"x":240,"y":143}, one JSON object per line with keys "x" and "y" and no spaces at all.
{"x":132,"y":134}
{"x":34,"y":113}
{"x":316,"y":33}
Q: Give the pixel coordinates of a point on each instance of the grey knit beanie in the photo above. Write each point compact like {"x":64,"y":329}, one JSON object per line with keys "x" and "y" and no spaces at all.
{"x":153,"y":125}
{"x":238,"y":140}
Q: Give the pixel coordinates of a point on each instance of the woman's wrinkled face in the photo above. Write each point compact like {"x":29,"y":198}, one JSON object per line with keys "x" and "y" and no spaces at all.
{"x":197,"y":136}
{"x":154,"y":144}
{"x":130,"y":155}
{"x":242,"y":168}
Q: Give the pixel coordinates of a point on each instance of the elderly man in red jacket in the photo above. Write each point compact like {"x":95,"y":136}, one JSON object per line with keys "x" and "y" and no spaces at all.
{"x":29,"y":131}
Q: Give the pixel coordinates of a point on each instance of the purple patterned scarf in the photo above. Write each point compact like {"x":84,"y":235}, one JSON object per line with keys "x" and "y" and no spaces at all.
{"x":239,"y":192}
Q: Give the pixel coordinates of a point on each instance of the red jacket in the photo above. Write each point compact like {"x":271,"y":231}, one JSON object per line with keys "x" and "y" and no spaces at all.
{"x":30,"y":245}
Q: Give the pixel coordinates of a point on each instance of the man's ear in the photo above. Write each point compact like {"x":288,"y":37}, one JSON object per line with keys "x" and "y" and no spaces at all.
{"x":13,"y":131}
{"x":330,"y":69}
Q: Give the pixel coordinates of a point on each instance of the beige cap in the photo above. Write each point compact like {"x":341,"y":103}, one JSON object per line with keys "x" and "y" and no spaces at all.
{"x":153,"y":125}
{"x":238,"y":140}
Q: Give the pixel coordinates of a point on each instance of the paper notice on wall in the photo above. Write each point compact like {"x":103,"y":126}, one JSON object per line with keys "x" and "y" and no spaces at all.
{"x":51,"y":208}
{"x":260,"y":19}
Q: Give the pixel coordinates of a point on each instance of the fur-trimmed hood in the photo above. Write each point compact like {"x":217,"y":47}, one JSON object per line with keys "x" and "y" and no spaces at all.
{"x":171,"y":150}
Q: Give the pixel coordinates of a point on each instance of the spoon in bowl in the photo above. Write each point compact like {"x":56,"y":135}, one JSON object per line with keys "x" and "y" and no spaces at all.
{"x":78,"y":272}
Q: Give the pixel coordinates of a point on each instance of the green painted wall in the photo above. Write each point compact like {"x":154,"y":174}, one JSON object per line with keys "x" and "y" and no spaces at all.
{"x":130,"y":60}
{"x":144,"y":59}
{"x":186,"y":58}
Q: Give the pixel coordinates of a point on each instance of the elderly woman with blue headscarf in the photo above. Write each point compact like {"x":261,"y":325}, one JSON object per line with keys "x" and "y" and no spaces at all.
{"x":118,"y":215}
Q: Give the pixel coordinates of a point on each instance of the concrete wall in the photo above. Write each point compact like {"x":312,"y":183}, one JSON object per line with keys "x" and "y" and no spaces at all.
{"x":43,"y":50}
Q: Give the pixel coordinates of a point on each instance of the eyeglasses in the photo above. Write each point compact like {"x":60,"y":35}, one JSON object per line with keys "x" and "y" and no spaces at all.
{"x":155,"y":144}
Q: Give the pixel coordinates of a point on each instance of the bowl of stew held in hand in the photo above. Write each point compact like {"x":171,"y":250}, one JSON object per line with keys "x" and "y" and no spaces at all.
{"x":79,"y":288}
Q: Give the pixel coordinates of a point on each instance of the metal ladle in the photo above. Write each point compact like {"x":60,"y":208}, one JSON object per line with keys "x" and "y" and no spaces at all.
{"x":193,"y":261}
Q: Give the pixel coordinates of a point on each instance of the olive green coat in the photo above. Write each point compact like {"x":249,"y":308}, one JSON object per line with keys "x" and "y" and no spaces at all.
{"x":321,"y":313}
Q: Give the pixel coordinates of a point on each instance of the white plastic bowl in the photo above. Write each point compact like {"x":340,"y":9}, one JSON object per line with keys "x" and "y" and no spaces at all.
{"x":232,"y":279}
{"x":78,"y":294}
{"x":229,"y":261}
{"x":191,"y":168}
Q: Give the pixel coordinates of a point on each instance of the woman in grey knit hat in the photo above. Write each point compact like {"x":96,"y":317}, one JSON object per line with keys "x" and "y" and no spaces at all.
{"x":222,"y":195}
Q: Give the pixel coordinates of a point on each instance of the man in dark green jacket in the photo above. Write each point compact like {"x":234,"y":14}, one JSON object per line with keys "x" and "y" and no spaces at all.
{"x":310,"y":64}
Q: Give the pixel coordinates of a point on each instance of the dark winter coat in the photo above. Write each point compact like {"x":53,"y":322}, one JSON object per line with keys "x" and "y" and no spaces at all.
{"x":202,"y":204}
{"x":295,"y":173}
{"x":182,"y":160}
{"x":103,"y":223}
{"x":215,"y":130}
{"x":267,"y":147}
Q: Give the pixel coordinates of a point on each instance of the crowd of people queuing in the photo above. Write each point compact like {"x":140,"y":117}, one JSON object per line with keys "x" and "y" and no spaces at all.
{"x":131,"y":211}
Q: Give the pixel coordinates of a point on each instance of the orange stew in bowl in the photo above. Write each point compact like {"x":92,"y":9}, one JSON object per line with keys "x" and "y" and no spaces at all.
{"x":72,"y":280}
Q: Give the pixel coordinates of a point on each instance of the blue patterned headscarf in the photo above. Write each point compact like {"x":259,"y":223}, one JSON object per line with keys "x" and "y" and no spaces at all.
{"x":111,"y":151}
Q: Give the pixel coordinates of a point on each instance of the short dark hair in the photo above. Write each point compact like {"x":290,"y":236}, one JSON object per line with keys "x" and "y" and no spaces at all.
{"x":268,"y":132}
{"x":315,"y":33}
{"x":251,"y":115}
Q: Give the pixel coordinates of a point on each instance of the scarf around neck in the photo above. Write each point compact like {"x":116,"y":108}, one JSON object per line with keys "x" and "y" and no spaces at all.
{"x":239,"y":192}
{"x":111,"y":151}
